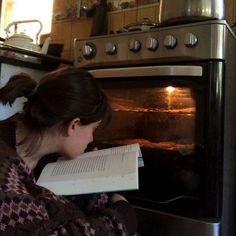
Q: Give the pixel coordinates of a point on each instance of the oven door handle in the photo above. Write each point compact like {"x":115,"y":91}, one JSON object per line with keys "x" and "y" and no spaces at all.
{"x":140,"y":71}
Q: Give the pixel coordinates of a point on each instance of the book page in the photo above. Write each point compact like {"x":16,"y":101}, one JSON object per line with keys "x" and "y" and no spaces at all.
{"x":90,"y":167}
{"x":88,"y":174}
{"x":115,"y":150}
{"x":81,"y":165}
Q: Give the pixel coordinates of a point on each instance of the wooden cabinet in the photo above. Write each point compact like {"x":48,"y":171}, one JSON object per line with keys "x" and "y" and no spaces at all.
{"x":61,"y":33}
{"x":115,"y":21}
{"x":230,"y":11}
{"x":150,"y":12}
{"x":130,"y":17}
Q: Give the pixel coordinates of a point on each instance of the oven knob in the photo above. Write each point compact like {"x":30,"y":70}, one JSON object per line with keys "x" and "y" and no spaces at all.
{"x":170,"y":41}
{"x":190,"y":40}
{"x":151,"y":44}
{"x":110,"y":48}
{"x":89,"y":50}
{"x":134,"y":45}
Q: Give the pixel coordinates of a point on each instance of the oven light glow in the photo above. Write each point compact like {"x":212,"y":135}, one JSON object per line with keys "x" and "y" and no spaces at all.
{"x":170,"y":89}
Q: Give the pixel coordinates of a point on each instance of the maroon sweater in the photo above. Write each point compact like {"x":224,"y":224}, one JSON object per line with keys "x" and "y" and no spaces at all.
{"x":28,"y":209}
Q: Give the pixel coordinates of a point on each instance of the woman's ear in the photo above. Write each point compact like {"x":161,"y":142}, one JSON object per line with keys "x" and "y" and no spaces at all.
{"x":72,"y":126}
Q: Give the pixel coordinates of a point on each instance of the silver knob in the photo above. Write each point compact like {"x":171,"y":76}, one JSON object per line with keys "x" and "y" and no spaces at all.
{"x":170,"y":41}
{"x":134,"y":45}
{"x":190,"y":40}
{"x":89,"y":50}
{"x":110,"y":48}
{"x":151,"y":44}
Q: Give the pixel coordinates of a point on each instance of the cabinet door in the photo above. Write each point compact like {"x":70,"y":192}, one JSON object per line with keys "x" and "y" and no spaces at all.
{"x":229,"y":11}
{"x":61,"y":33}
{"x":115,"y":21}
{"x":130,"y":16}
{"x":147,"y":12}
{"x":59,"y":5}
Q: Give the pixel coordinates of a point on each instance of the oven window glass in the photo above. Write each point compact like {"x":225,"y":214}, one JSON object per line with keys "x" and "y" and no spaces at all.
{"x":159,"y":118}
{"x":163,"y":117}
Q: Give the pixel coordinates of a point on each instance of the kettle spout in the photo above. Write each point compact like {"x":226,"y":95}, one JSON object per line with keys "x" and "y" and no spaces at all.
{"x":45,"y":46}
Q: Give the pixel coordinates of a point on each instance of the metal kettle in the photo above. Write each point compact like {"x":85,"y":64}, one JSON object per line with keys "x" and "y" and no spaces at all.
{"x":22,"y":40}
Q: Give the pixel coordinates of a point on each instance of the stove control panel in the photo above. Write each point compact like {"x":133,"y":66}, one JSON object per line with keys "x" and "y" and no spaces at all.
{"x":190,"y":41}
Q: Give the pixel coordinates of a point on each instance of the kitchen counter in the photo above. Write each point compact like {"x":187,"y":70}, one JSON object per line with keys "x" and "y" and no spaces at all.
{"x":21,"y":57}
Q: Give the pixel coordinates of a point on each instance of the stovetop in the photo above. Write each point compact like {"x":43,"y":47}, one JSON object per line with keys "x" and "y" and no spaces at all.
{"x":194,"y":41}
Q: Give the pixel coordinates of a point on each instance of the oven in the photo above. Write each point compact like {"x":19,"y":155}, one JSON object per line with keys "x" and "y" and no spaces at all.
{"x":172,"y":90}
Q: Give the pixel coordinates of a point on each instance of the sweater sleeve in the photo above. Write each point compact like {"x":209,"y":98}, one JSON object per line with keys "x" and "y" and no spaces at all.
{"x":126,"y":211}
{"x":22,"y":215}
{"x":100,"y":204}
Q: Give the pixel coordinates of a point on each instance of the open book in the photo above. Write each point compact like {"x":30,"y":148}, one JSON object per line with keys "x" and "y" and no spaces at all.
{"x":107,"y":170}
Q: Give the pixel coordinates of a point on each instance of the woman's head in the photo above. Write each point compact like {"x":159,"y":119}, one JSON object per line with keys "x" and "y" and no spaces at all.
{"x":61,"y":96}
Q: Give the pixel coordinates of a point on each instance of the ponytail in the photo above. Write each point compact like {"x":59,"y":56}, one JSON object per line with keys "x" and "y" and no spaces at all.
{"x":20,"y":85}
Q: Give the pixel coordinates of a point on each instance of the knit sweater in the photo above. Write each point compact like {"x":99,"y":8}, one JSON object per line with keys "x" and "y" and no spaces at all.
{"x":28,"y":209}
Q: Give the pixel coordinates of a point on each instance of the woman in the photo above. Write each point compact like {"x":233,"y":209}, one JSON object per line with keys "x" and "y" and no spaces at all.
{"x":60,"y":116}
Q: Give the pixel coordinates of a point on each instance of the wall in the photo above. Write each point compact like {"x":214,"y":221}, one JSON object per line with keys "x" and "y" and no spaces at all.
{"x":66,"y":25}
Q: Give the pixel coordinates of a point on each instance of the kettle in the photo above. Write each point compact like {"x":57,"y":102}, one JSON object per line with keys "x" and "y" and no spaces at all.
{"x":22,"y":40}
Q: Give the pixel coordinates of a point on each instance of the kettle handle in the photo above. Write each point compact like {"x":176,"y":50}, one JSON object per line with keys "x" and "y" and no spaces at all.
{"x":25,"y":21}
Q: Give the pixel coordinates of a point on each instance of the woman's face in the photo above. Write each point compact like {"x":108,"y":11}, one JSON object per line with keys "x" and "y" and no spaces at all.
{"x":78,"y":142}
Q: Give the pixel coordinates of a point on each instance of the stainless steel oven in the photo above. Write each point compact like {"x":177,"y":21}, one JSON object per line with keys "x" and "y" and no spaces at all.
{"x":172,"y":90}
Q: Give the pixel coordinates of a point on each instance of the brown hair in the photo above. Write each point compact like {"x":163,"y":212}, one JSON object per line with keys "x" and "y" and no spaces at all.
{"x":59,"y":97}
{"x":15,"y":88}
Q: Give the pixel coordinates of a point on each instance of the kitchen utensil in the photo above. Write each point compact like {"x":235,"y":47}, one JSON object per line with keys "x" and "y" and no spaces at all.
{"x":24,"y":41}
{"x":174,"y":12}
